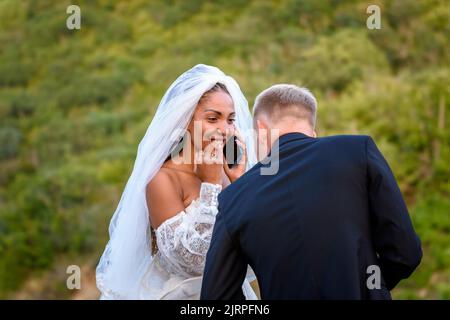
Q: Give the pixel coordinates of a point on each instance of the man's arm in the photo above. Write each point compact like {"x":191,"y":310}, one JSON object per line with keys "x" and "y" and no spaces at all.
{"x":395,"y":240}
{"x":225,"y":267}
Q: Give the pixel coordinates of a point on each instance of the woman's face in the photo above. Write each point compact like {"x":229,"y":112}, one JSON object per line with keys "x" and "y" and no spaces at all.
{"x":213,"y":119}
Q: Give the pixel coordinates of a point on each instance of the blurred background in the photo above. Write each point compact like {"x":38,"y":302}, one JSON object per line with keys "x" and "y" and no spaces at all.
{"x":74,"y":105}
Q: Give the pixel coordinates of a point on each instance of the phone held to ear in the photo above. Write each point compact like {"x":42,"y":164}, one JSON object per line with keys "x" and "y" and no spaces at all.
{"x":232,"y":152}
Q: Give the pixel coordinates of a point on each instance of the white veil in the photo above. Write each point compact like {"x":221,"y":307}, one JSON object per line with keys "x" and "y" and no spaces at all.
{"x":127,"y":255}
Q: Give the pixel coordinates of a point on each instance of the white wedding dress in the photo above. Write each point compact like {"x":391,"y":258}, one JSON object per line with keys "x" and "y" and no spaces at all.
{"x":127,"y":269}
{"x":183,"y":241}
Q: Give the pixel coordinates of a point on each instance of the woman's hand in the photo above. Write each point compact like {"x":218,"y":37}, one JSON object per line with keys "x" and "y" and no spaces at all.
{"x":237,"y":170}
{"x":209,"y":163}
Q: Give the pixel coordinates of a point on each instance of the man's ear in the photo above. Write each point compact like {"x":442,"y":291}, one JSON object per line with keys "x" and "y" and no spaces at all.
{"x":261,"y":124}
{"x":258,"y":124}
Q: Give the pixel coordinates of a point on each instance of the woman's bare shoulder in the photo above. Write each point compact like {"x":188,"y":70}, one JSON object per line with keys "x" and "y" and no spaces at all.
{"x":164,"y":197}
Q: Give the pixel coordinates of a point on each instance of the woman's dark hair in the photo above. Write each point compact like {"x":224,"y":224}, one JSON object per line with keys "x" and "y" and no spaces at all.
{"x":217,"y":87}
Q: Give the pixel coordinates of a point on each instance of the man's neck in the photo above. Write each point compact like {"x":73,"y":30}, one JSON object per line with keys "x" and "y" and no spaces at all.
{"x":309,"y":133}
{"x":305,"y":129}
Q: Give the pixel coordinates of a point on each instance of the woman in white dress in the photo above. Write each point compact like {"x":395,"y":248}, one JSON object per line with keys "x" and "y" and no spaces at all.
{"x":162,"y":227}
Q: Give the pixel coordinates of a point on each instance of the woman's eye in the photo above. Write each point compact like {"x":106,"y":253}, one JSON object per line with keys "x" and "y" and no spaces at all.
{"x":232,"y":120}
{"x":212,"y":119}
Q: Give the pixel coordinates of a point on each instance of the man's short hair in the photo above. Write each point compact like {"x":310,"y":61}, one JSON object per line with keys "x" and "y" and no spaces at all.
{"x":286,"y":100}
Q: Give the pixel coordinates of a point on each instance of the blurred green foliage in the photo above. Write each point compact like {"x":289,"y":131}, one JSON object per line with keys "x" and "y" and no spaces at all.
{"x":75,"y":104}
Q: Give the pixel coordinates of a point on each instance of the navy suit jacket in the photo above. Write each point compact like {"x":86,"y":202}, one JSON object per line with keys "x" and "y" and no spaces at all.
{"x":317,"y":229}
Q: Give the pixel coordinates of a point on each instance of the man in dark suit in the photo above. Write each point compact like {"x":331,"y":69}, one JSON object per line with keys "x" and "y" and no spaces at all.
{"x":319,"y":218}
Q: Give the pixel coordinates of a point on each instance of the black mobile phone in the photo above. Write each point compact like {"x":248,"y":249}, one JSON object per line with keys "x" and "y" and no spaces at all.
{"x":232,"y":152}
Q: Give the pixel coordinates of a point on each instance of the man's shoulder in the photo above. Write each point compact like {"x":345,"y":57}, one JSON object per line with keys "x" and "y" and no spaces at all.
{"x":345,"y":141}
{"x":345,"y":138}
{"x":241,"y":184}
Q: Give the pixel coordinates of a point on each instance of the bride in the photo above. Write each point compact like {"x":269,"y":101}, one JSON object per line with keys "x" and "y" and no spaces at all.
{"x":161,"y":229}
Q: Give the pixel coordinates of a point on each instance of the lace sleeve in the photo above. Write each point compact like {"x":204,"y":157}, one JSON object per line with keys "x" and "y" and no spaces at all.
{"x":209,"y":194}
{"x":184,"y":239}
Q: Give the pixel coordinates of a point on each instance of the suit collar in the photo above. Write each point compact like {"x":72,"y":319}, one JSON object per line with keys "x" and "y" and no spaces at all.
{"x":292,"y":136}
{"x":287,"y":137}
{"x":283,"y":139}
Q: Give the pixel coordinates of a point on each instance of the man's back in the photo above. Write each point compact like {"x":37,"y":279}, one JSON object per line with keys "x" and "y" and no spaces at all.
{"x":312,"y":230}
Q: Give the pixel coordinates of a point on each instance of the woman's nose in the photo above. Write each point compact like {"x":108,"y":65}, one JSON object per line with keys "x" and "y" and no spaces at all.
{"x":226,"y":129}
{"x":229,"y":127}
